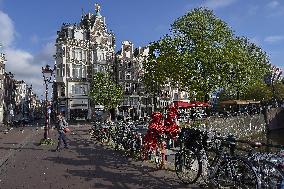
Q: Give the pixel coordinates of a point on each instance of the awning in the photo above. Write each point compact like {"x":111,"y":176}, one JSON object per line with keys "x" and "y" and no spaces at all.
{"x":238,"y":102}
{"x":201,"y":104}
{"x":183,"y":104}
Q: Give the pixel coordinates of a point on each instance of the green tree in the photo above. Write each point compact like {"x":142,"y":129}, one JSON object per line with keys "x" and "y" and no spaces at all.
{"x":155,"y":75}
{"x":258,"y":91}
{"x":202,"y":54}
{"x":104,"y":91}
{"x":279,"y":90}
{"x":248,"y":65}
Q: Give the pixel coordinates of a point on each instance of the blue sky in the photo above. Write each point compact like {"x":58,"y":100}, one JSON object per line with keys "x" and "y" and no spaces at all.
{"x":28,"y":27}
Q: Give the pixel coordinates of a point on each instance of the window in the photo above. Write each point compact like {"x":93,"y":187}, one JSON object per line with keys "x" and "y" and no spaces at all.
{"x":83,"y":71}
{"x":62,"y":91}
{"x":80,"y":55}
{"x":76,"y":54}
{"x":77,"y":71}
{"x":73,"y":54}
{"x":127,"y":54}
{"x":175,"y":96}
{"x":102,"y":69}
{"x":129,"y":65}
{"x":96,"y":69}
{"x":67,"y":70}
{"x":63,"y":51}
{"x":63,"y":70}
{"x":83,"y":55}
{"x":134,"y":87}
{"x":58,"y":70}
{"x":98,"y":56}
{"x":127,"y":76}
{"x":127,"y":87}
{"x":120,"y":75}
{"x":78,"y":89}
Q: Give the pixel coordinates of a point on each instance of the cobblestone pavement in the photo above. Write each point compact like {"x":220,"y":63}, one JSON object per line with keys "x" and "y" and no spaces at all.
{"x":85,"y":165}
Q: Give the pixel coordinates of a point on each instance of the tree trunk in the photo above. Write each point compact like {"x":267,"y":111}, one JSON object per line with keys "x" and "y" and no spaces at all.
{"x":112,"y":114}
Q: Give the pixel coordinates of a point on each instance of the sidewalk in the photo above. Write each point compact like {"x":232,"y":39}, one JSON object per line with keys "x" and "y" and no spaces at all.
{"x":84,"y":165}
{"x":13,"y":139}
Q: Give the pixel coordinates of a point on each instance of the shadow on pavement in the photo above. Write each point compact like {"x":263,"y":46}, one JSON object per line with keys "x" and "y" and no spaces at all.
{"x":109,"y":169}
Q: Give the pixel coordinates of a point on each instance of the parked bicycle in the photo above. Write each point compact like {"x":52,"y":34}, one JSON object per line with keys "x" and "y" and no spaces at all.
{"x":222,"y":169}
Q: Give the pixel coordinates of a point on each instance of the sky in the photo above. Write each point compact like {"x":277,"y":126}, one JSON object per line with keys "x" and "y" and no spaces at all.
{"x":28,"y":27}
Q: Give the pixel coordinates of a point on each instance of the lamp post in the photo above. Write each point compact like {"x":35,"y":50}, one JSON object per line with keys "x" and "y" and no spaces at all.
{"x":270,"y":81}
{"x":47,"y":73}
{"x":276,"y":73}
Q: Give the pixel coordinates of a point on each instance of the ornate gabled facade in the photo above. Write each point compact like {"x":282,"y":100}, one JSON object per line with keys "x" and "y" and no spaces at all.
{"x":129,"y":69}
{"x":23,"y":101}
{"x":9,"y":97}
{"x":21,"y":90}
{"x":81,"y":51}
{"x":2,"y":77}
{"x":169,"y":94}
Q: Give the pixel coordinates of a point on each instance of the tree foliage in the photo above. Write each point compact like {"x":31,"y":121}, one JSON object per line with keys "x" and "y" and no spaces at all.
{"x":104,"y":91}
{"x":202,"y":54}
{"x":279,"y":90}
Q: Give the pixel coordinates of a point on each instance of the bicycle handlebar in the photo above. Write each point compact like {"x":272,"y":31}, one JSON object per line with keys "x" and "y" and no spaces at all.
{"x":254,"y":144}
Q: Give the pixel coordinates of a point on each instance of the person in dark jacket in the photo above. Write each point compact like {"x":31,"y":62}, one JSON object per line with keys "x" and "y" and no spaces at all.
{"x":61,"y":125}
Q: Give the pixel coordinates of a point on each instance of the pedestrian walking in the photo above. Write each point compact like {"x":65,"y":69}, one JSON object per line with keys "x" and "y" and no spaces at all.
{"x":62,"y":127}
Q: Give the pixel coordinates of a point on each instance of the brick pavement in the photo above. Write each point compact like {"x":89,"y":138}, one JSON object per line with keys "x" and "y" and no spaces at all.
{"x":85,"y":165}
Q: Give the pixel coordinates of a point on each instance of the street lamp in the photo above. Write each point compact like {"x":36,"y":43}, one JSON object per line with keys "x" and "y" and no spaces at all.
{"x":47,"y":73}
{"x":276,"y":73}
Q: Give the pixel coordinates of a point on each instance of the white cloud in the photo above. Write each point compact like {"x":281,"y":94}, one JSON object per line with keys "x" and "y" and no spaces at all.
{"x":274,"y":38}
{"x":24,"y":65}
{"x":27,"y":67}
{"x":273,"y":4}
{"x":215,"y":4}
{"x":7,"y":31}
{"x":275,"y":9}
{"x":21,"y":64}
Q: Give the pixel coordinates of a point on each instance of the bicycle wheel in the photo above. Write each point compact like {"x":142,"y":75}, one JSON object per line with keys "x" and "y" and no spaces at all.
{"x":159,"y":155}
{"x":271,"y":175}
{"x":237,"y":173}
{"x":188,"y":166}
{"x":105,"y":138}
